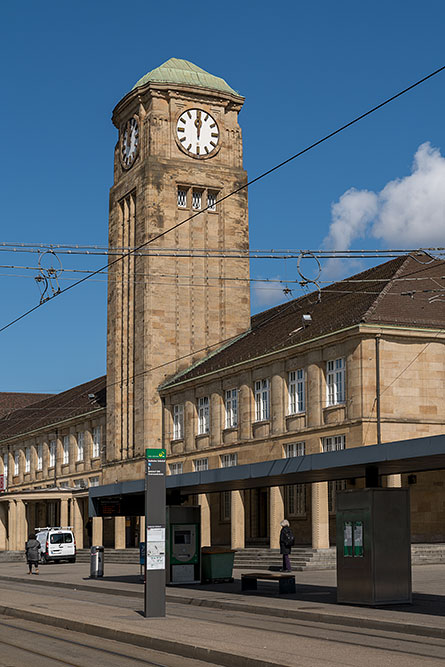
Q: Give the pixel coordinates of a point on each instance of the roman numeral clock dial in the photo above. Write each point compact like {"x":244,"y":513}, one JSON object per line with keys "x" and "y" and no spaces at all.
{"x":129,"y":142}
{"x":197,"y":133}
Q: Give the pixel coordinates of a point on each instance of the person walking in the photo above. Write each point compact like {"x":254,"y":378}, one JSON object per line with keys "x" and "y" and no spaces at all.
{"x":287,"y":541}
{"x":32,"y":549}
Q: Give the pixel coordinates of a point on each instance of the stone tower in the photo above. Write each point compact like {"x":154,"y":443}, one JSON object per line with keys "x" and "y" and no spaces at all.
{"x":179,"y":151}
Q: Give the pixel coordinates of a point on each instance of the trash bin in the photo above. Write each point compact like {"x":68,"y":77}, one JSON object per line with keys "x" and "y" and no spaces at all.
{"x":97,"y":562}
{"x":217,"y":565}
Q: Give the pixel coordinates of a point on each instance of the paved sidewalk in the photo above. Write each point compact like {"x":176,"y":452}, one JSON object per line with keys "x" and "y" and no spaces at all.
{"x":110,"y":607}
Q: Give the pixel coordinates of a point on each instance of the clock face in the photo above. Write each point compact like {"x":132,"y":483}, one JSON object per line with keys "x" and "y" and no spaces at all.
{"x":129,"y":142}
{"x":197,"y":133}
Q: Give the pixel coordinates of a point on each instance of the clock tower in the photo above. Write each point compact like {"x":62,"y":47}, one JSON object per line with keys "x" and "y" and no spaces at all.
{"x":179,"y":153}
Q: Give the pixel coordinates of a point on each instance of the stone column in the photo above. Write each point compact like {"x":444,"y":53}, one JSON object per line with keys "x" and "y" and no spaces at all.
{"x":315,"y":398}
{"x":277,"y":403}
{"x":276,"y":515}
{"x":119,"y":532}
{"x":189,"y":426}
{"x":64,"y":512}
{"x":206,"y":532}
{"x":97,"y":531}
{"x":245,"y":410}
{"x":237,"y":520}
{"x":21,"y":525}
{"x":394,"y":481}
{"x":215,"y":420}
{"x":3,"y":526}
{"x":320,"y":515}
{"x":12,"y":529}
{"x":77,"y":521}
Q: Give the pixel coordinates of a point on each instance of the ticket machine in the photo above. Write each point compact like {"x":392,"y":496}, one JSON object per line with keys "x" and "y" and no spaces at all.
{"x":183,"y":544}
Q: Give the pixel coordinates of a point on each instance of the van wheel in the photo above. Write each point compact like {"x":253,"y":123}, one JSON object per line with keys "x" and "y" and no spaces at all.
{"x":72,"y":560}
{"x":43,"y":559}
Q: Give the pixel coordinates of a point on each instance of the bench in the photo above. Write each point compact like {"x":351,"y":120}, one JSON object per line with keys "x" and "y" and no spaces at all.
{"x":286,"y":582}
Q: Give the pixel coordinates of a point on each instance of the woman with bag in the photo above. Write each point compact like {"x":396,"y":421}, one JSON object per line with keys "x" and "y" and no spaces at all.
{"x":286,"y":543}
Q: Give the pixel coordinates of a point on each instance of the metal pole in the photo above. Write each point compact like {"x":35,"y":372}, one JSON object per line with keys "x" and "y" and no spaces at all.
{"x":154,"y":594}
{"x":377,"y":388}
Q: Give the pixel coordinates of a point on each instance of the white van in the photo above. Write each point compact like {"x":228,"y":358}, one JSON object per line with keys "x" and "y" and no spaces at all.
{"x":56,"y":543}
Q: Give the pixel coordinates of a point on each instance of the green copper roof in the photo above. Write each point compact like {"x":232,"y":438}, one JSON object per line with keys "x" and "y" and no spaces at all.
{"x":186,"y":73}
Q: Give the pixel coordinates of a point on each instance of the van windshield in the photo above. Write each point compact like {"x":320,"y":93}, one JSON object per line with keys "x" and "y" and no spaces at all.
{"x":61,"y":538}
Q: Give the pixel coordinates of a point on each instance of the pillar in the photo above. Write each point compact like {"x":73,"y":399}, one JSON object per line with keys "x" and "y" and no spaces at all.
{"x":394,"y":481}
{"x":206,"y":533}
{"x":237,"y":529}
{"x":315,"y":398}
{"x":245,"y":410}
{"x":77,"y":521}
{"x":64,"y":512}
{"x":97,"y":535}
{"x":21,"y":525}
{"x":216,"y":427}
{"x":320,"y":515}
{"x":119,"y":532}
{"x":189,"y":426}
{"x":3,"y":526}
{"x":276,"y":515}
{"x":142,"y":537}
{"x":12,"y":531}
{"x":277,"y":403}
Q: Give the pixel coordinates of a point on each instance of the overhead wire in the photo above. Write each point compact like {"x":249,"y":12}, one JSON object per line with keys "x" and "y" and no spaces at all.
{"x":241,"y":188}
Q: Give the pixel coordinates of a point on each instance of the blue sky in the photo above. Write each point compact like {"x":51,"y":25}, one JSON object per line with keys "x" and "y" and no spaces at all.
{"x":304,"y":69}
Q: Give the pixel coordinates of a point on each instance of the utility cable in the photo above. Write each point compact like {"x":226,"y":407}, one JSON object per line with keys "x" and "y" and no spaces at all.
{"x":242,"y":187}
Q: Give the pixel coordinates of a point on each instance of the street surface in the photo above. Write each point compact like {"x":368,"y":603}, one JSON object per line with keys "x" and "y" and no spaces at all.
{"x":27,"y":643}
{"x":302,"y":643}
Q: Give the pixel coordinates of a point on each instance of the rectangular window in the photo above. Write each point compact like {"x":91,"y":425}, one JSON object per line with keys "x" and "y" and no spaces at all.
{"x":262,"y":400}
{"x":196,"y":200}
{"x":201,"y":464}
{"x":333,"y":443}
{"x":296,"y":391}
{"x":229,"y":460}
{"x":94,"y":481}
{"x":211,"y":201}
{"x":39,"y":457}
{"x":231,"y":408}
{"x":203,"y":415}
{"x":52,"y":453}
{"x":333,"y":487}
{"x":16,"y":462}
{"x":225,"y":505}
{"x":5,"y":471}
{"x":66,"y":449}
{"x":28,"y":459}
{"x":178,"y":422}
{"x":80,"y":445}
{"x":335,"y":381}
{"x":182,"y":198}
{"x":295,"y":449}
{"x":97,"y":433}
{"x":79,"y":484}
{"x":64,"y":485}
{"x":295,"y":499}
{"x":175,"y":468}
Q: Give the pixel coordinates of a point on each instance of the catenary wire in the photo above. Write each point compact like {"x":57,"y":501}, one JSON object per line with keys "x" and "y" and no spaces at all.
{"x":242,"y":187}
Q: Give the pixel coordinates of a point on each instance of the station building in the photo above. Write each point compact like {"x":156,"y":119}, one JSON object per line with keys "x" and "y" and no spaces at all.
{"x":357,"y":363}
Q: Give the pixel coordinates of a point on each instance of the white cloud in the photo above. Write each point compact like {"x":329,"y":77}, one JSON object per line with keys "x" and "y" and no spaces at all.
{"x":407,"y":213}
{"x":266,"y":294}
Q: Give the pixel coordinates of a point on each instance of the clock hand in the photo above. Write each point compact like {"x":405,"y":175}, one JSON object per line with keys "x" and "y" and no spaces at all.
{"x":198,"y":123}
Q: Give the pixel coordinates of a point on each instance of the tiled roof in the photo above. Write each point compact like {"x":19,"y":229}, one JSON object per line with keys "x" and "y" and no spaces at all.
{"x":12,"y":400}
{"x":380,"y":295}
{"x":55,"y":408}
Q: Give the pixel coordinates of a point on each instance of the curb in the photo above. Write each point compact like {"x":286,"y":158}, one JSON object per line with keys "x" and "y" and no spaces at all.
{"x":227,"y":605}
{"x":164,"y":645}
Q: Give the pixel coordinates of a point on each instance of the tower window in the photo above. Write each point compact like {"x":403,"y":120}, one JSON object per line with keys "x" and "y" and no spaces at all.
{"x":182,"y":197}
{"x":211,"y":201}
{"x":196,"y":200}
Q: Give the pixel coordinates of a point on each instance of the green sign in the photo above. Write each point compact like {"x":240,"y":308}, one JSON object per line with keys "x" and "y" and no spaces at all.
{"x":155,"y":454}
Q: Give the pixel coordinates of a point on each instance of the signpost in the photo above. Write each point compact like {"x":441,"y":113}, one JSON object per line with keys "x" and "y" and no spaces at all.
{"x":154,"y":596}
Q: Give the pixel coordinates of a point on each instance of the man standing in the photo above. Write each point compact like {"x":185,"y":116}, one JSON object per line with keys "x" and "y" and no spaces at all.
{"x":32,"y":549}
{"x":286,"y":543}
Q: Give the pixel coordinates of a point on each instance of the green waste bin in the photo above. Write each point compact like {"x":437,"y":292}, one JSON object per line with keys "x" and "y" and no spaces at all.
{"x":217,"y":565}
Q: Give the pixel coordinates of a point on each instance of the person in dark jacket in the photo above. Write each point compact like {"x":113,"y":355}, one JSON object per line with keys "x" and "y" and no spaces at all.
{"x":286,"y":542}
{"x":32,"y":549}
